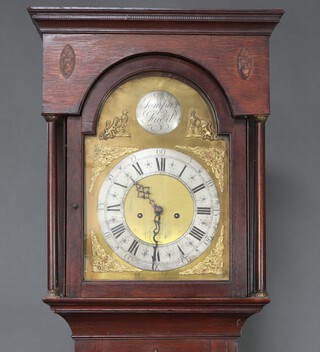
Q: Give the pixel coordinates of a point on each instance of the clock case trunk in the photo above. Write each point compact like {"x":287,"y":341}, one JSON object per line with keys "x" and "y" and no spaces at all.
{"x":226,"y":54}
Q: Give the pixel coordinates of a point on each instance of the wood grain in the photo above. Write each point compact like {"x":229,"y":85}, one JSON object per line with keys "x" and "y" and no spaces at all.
{"x":110,"y":46}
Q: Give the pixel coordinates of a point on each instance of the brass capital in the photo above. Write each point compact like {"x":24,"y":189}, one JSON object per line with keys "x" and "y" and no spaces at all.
{"x":260,"y":294}
{"x":51,"y":118}
{"x":260,"y":118}
{"x":53,"y":294}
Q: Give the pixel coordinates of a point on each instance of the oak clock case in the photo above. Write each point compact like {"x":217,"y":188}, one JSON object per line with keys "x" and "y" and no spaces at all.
{"x":157,"y":209}
{"x":156,"y":174}
{"x":157,"y":203}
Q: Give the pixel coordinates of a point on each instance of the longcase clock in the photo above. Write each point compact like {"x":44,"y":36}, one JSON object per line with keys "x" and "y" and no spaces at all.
{"x":156,"y":216}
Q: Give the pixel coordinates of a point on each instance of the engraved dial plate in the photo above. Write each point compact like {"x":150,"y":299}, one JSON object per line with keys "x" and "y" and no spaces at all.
{"x":158,"y":209}
{"x":124,"y":161}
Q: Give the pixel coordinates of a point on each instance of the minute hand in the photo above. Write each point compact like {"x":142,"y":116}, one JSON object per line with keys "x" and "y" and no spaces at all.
{"x":157,"y":210}
{"x":144,"y":192}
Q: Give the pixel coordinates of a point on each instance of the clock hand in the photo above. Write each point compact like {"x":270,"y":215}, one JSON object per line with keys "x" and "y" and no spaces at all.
{"x":144,"y":193}
{"x":157,"y":210}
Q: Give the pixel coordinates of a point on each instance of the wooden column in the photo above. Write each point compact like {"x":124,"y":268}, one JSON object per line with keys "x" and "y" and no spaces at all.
{"x":52,"y":220}
{"x":260,"y":220}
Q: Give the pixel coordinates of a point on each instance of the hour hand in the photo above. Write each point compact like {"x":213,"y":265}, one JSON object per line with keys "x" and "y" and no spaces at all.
{"x":143,"y":191}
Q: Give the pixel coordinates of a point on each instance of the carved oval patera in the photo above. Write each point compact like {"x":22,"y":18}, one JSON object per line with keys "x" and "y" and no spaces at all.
{"x":67,"y":61}
{"x":244,"y":63}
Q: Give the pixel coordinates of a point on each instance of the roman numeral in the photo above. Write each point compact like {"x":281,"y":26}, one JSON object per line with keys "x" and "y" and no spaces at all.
{"x":197,"y":233}
{"x":137,"y":167}
{"x":115,"y":207}
{"x":161,"y":164}
{"x":118,"y":230}
{"x":181,"y":251}
{"x":155,"y":257}
{"x":119,"y":184}
{"x":203,"y":211}
{"x":134,"y":247}
{"x":198,"y":188}
{"x":182,"y":171}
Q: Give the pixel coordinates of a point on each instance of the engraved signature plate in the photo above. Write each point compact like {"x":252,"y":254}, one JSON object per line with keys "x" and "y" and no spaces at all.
{"x":159,"y":112}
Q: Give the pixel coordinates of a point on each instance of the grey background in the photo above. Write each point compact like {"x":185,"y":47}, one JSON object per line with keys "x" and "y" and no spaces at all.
{"x":291,"y":322}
